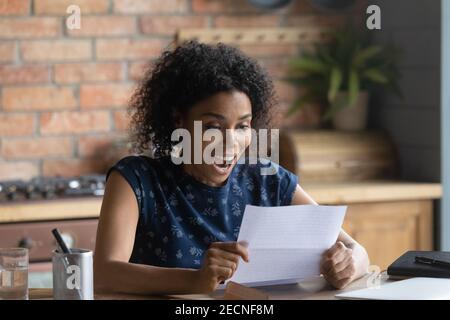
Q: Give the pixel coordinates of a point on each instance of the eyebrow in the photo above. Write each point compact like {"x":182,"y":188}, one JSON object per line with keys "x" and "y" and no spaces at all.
{"x":219,"y":116}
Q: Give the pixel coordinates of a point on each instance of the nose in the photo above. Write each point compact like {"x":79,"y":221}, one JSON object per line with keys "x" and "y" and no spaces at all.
{"x":232,"y":143}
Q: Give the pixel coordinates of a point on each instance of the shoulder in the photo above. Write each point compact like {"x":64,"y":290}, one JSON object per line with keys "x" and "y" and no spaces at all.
{"x":137,"y":165}
{"x":141,"y":173}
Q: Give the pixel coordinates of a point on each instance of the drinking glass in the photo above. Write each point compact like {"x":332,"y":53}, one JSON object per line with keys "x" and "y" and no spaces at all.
{"x":13,"y":274}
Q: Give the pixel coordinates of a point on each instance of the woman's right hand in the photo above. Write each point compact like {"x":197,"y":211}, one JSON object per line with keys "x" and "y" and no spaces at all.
{"x":219,"y":264}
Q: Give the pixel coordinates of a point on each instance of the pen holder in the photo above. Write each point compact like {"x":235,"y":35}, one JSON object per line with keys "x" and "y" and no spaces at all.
{"x":73,"y":275}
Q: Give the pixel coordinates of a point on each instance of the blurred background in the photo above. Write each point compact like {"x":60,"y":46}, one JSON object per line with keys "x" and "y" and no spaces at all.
{"x":360,"y":110}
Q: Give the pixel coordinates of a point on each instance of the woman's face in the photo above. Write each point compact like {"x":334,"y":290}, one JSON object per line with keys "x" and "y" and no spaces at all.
{"x":231,"y":113}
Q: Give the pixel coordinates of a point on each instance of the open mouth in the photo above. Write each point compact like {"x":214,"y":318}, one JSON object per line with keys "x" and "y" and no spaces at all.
{"x":224,"y":164}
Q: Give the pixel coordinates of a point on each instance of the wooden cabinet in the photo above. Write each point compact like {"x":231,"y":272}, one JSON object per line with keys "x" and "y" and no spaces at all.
{"x":387,"y":229}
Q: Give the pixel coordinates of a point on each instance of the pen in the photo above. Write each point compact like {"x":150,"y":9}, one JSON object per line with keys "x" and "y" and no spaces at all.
{"x":60,"y":241}
{"x":432,"y":262}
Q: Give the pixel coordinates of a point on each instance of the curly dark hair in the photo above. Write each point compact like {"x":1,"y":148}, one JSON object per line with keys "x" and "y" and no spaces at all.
{"x":186,"y":75}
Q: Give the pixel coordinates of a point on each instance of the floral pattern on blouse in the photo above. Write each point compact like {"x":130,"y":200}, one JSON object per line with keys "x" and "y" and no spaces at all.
{"x":179,"y":217}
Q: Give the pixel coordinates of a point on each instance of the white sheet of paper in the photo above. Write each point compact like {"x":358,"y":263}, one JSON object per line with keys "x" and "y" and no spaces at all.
{"x":286,"y":243}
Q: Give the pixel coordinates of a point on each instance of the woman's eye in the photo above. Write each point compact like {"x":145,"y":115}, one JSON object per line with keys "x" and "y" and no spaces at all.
{"x":212,"y":127}
{"x":243,"y":127}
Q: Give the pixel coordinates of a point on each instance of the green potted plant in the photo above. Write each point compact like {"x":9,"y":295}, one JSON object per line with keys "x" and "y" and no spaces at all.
{"x":340,"y":75}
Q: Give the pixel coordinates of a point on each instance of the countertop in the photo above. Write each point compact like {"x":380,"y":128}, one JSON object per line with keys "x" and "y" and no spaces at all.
{"x":313,"y":289}
{"x":324,"y":193}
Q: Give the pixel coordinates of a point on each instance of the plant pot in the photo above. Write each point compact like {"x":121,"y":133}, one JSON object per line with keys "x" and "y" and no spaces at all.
{"x":353,"y":118}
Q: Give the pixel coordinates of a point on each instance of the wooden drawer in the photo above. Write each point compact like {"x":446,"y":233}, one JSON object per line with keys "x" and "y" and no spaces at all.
{"x":388,"y":229}
{"x":37,"y":236}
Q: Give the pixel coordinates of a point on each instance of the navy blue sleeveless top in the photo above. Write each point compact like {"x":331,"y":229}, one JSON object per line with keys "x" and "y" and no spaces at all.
{"x":179,"y":216}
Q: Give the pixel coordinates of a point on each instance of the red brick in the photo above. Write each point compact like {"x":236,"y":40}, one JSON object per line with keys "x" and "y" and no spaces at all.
{"x":16,"y":74}
{"x":120,"y":49}
{"x":137,"y":69}
{"x":14,"y":7}
{"x":74,"y":122}
{"x":150,"y":6}
{"x":168,"y":25}
{"x":105,"y":26}
{"x":270,"y":51}
{"x":20,"y":124}
{"x":223,"y":6}
{"x":121,"y":120}
{"x":73,"y":167}
{"x":100,"y":145}
{"x":59,"y":7}
{"x":86,"y":72}
{"x":18,"y":170}
{"x":17,"y":148}
{"x":247,"y":21}
{"x":38,"y":98}
{"x":56,"y":50}
{"x":277,"y":68}
{"x":104,"y":95}
{"x":316,"y":20}
{"x":18,"y":28}
{"x":7,"y":51}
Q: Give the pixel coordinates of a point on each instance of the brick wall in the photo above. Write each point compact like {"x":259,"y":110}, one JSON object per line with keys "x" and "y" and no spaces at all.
{"x":63,"y":93}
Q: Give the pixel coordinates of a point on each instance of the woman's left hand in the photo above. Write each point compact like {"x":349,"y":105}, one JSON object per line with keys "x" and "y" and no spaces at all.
{"x":338,"y":265}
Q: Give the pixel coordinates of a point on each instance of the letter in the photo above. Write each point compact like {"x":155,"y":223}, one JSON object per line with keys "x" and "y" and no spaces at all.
{"x":178,"y":310}
{"x":181,"y":152}
{"x":73,"y":281}
{"x":374,"y":20}
{"x":216,"y":145}
{"x":74,"y":20}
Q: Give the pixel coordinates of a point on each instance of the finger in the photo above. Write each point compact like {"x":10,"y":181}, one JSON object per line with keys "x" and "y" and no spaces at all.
{"x":233,"y":247}
{"x":222,"y":254}
{"x":336,"y":248}
{"x":325,"y":266}
{"x":340,"y":256}
{"x":341,"y":266}
{"x":348,"y":272}
{"x":222,"y":273}
{"x":224,"y":263}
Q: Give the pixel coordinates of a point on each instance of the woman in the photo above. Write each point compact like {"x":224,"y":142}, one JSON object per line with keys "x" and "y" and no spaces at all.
{"x":169,"y":228}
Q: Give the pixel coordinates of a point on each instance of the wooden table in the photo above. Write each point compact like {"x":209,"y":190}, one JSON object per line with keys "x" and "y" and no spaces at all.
{"x":314,"y":289}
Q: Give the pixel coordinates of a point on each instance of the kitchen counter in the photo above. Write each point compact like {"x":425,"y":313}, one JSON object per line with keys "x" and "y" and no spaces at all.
{"x":57,"y":209}
{"x":373,"y":191}
{"x":325,"y":193}
{"x":313,"y":289}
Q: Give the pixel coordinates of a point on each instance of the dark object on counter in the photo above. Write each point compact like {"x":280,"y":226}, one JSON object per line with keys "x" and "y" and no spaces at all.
{"x":333,"y":4}
{"x":413,"y":264}
{"x":52,"y":188}
{"x":60,"y":241}
{"x":432,"y":262}
{"x":270,"y":4}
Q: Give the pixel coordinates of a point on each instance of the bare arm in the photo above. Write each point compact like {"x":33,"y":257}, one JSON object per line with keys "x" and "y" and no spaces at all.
{"x":115,"y":239}
{"x":346,"y":260}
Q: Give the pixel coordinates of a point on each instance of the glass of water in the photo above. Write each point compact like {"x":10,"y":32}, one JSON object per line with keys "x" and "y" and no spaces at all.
{"x":13,"y":274}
